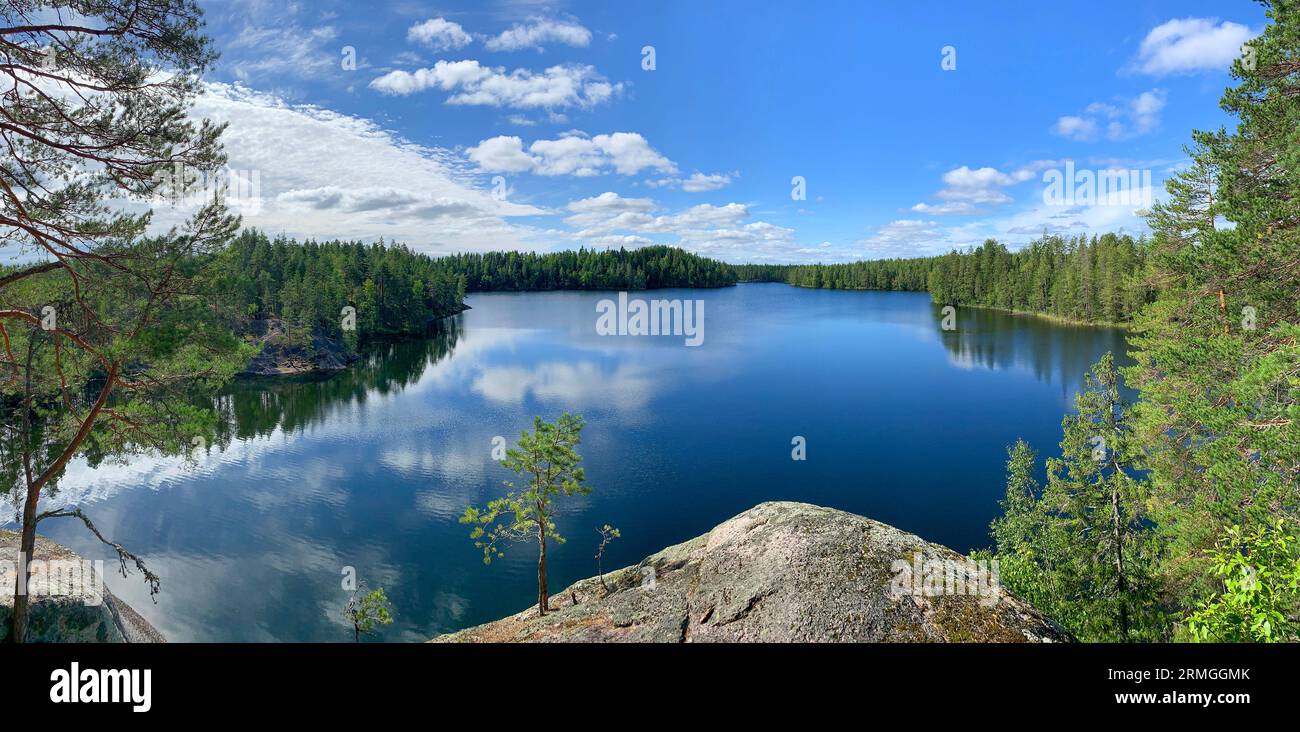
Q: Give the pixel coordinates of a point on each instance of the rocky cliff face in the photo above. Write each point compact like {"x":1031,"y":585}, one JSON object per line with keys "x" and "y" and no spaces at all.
{"x":68,"y":604}
{"x":282,"y":355}
{"x":785,"y":572}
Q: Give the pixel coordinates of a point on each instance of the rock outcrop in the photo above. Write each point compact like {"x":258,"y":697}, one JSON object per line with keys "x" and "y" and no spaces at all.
{"x":282,"y":354}
{"x":69,"y":601}
{"x":785,"y":572}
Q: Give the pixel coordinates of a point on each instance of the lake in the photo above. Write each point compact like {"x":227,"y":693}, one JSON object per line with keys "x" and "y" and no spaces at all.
{"x":903,"y":422}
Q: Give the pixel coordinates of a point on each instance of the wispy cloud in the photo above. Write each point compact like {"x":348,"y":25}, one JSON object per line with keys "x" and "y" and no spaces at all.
{"x":325,"y":175}
{"x":538,"y":32}
{"x":696,"y":182}
{"x":1120,"y":120}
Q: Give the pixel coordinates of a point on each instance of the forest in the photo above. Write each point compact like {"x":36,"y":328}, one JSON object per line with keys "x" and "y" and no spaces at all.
{"x":1174,"y":516}
{"x":647,"y":268}
{"x":1092,"y":280}
{"x":393,"y":289}
{"x":397,"y":291}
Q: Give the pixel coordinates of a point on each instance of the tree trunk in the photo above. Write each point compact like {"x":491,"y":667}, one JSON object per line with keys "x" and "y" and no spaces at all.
{"x":542,"y":598}
{"x":1122,"y":583}
{"x":27,"y":545}
{"x":1223,"y":309}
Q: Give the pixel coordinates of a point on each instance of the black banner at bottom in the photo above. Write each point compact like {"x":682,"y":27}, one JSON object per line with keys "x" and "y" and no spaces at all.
{"x":202,"y":682}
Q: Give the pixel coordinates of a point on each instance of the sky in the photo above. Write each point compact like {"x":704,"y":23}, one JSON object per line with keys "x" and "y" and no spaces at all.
{"x":755,"y":131}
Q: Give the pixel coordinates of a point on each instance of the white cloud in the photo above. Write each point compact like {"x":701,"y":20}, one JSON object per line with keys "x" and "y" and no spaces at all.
{"x":920,"y":237}
{"x":1146,"y":110}
{"x":274,"y":52}
{"x":573,"y":153}
{"x":983,"y":185}
{"x":325,"y":175}
{"x":501,"y":155}
{"x":439,"y":34}
{"x":723,"y":232}
{"x":1126,"y":119}
{"x":270,"y":43}
{"x":951,"y":208}
{"x":1189,"y":45}
{"x":539,"y":31}
{"x":1082,"y":129}
{"x":697,"y":182}
{"x":566,"y":85}
{"x":904,"y":238}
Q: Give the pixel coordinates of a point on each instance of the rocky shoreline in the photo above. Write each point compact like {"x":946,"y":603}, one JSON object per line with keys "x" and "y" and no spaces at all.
{"x":281,"y":355}
{"x":66,"y":609}
{"x":284,"y":354}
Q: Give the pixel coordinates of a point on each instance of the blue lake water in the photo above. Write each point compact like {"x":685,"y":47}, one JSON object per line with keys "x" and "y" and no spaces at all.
{"x":903,"y":422}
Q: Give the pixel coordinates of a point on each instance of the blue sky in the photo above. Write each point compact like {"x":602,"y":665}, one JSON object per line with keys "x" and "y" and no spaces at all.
{"x":529,"y":125}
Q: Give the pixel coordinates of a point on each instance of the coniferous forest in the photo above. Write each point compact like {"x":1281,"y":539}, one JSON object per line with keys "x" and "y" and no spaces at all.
{"x":393,"y":289}
{"x":647,"y":268}
{"x":1093,"y":280}
{"x":397,"y":291}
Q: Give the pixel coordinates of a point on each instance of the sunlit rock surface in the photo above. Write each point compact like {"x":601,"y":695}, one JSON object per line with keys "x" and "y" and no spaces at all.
{"x":783,"y":572}
{"x":67,"y":606}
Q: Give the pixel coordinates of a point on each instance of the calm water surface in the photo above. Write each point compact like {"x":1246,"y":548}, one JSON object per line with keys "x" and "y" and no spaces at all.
{"x":370,"y":469}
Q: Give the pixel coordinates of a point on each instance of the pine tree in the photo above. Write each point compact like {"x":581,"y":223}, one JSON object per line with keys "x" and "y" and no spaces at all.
{"x":1083,"y":549}
{"x":548,"y":458}
{"x":1218,"y":361}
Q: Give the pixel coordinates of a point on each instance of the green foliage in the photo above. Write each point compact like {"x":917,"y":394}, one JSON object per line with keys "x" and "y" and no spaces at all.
{"x":394,"y":290}
{"x":548,"y":458}
{"x":1082,"y":548}
{"x":397,"y":291}
{"x":1260,"y":601}
{"x":1218,"y":353}
{"x":367,"y":611}
{"x":108,"y":333}
{"x":1216,"y":432}
{"x":876,"y":274}
{"x":1089,"y":280}
{"x":607,"y":534}
{"x":647,"y":268}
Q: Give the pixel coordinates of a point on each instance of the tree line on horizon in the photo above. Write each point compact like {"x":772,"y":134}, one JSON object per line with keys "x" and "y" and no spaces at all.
{"x":644,"y":268}
{"x":1089,"y":279}
{"x":398,"y":291}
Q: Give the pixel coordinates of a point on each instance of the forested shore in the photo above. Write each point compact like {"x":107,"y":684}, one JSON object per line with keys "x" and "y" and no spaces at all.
{"x":397,"y":291}
{"x":1075,"y":279}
